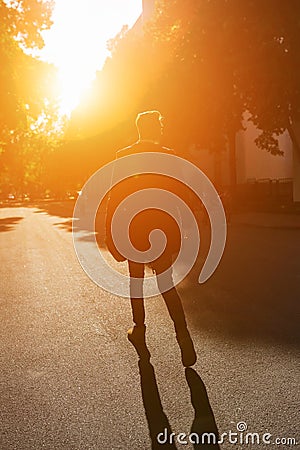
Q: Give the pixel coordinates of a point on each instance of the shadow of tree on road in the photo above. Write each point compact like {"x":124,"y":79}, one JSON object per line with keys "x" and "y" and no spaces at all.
{"x":8,"y":224}
{"x":53,"y":208}
{"x":65,"y":210}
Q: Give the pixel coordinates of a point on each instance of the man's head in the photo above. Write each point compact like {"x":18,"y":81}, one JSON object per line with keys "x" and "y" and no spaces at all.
{"x":149,"y":125}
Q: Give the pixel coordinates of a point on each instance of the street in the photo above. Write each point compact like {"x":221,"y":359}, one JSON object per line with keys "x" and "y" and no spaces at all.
{"x":71,"y":380}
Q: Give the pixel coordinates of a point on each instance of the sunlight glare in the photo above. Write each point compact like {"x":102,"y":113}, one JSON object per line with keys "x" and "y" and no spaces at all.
{"x":76,"y":43}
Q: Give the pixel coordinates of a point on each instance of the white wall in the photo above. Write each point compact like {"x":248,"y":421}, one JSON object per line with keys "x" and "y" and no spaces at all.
{"x":253,"y":162}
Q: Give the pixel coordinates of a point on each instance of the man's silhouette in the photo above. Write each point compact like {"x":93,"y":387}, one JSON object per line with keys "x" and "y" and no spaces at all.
{"x":149,"y":125}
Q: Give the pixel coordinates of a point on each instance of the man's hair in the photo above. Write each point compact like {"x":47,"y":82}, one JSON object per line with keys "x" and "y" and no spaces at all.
{"x":149,"y":124}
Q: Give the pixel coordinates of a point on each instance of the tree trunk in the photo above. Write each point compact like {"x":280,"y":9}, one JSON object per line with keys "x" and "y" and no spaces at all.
{"x":294,"y":132}
{"x":217,"y":169}
{"x":232,"y":160}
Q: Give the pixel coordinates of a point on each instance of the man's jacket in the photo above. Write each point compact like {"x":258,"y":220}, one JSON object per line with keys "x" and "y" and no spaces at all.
{"x":150,"y":219}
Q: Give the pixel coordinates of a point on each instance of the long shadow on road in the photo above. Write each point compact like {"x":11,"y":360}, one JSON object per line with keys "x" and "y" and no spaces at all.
{"x":204,"y":433}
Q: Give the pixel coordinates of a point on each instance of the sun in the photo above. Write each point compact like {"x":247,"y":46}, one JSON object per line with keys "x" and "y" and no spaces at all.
{"x":76,"y":42}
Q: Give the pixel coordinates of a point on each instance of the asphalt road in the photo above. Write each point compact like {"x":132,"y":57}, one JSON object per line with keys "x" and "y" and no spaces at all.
{"x":71,"y":380}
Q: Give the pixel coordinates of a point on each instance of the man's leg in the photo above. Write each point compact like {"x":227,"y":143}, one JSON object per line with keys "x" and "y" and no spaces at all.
{"x":174,"y":305}
{"x":136,"y":272}
{"x":171,"y":297}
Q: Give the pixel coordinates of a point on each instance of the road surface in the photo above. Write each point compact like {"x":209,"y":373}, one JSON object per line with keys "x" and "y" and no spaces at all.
{"x":71,"y":380}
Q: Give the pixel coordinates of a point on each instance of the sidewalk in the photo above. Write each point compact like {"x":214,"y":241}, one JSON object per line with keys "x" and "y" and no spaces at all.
{"x":266,"y":220}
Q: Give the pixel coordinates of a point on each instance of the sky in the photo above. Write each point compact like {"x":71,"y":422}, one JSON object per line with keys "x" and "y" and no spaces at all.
{"x":76,"y":42}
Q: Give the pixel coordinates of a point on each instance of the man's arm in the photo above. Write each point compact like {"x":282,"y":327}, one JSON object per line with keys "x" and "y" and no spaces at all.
{"x":112,"y":203}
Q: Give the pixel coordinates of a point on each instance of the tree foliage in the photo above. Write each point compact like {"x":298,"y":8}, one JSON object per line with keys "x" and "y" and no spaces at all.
{"x":244,"y":57}
{"x":22,"y":77}
{"x":27,"y":89}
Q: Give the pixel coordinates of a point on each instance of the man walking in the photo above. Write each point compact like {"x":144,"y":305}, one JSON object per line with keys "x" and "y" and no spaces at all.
{"x":150,"y":127}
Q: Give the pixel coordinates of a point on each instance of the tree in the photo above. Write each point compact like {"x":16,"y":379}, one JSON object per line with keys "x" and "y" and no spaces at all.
{"x":244,"y":57}
{"x":21,"y":24}
{"x":26,"y":85}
